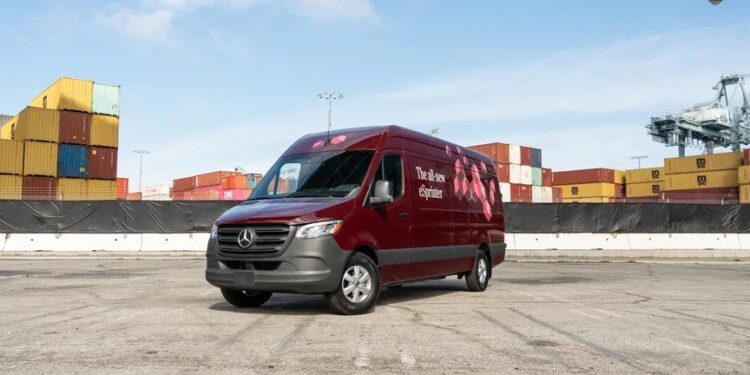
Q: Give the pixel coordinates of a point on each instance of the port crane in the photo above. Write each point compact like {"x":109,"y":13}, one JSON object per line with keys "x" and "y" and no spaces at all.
{"x":718,"y":123}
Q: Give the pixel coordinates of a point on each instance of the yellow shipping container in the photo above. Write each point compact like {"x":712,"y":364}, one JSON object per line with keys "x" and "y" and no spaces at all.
{"x":8,"y":129}
{"x":10,"y":187}
{"x":36,"y":124}
{"x":105,"y":130}
{"x":634,"y":176}
{"x":588,"y":200}
{"x":596,"y":189}
{"x":39,"y":159}
{"x":71,"y":189}
{"x":745,"y":194}
{"x":702,"y":180}
{"x":66,"y":93}
{"x":744,"y":175}
{"x":11,"y":157}
{"x":101,"y":190}
{"x":643,"y":189}
{"x":715,"y":162}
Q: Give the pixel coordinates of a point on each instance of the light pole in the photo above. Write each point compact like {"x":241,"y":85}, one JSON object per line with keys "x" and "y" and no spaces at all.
{"x":639,"y":158}
{"x":140,"y":171}
{"x":330,"y":96}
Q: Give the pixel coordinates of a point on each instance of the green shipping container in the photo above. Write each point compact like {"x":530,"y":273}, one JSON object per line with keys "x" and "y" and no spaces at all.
{"x":536,"y":176}
{"x":105,"y":99}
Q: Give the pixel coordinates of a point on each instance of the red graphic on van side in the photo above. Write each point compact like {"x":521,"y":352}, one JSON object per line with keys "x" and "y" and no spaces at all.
{"x":474,"y":189}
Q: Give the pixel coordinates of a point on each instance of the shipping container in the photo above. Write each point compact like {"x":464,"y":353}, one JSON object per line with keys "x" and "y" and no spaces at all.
{"x":643,"y":189}
{"x":122,"y":187}
{"x":546,"y":177}
{"x":134,"y":196}
{"x":536,"y":176}
{"x":743,"y":175}
{"x":556,"y":195}
{"x":234,"y":182}
{"x":182,"y":195}
{"x":207,"y":193}
{"x":498,"y":152}
{"x":547,"y":196}
{"x":72,"y":161}
{"x":39,"y":188}
{"x":514,"y":154}
{"x":536,"y":157}
{"x":502,"y":170}
{"x":745,"y":194}
{"x":71,"y":189}
{"x":715,"y":162}
{"x":526,"y":175}
{"x":10,"y":187}
{"x":155,"y":190}
{"x":504,"y":191}
{"x":702,"y":180}
{"x":7,"y":130}
{"x":515,"y":173}
{"x":5,"y":118}
{"x":182,"y":184}
{"x":635,"y":176}
{"x":746,"y":156}
{"x":39,"y":159}
{"x":101,"y":190}
{"x":212,"y":178}
{"x":596,"y":189}
{"x":584,"y":176}
{"x":520,"y":193}
{"x":105,"y":131}
{"x":36,"y":124}
{"x":11,"y":157}
{"x":102,"y":163}
{"x":66,"y":93}
{"x":75,"y":128}
{"x":537,"y":194}
{"x":589,"y":200}
{"x":702,"y":196}
{"x":525,"y":155}
{"x":105,"y":99}
{"x":234,"y":194}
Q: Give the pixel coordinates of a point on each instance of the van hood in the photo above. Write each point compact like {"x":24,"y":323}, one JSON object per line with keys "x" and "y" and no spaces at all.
{"x":294,"y":211}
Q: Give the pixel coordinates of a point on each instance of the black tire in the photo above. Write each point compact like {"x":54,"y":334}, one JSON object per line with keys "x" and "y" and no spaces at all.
{"x":245,"y":298}
{"x":474,"y":280}
{"x":343,"y":302}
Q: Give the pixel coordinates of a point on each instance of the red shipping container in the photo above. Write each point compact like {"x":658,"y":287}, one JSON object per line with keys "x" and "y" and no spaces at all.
{"x":556,"y":195}
{"x":503,"y":172}
{"x":182,"y":184}
{"x":102,"y":163}
{"x":207,"y":193}
{"x":520,"y":193}
{"x":182,"y":195}
{"x":746,"y":156}
{"x":498,"y":152}
{"x":39,"y":188}
{"x":702,"y":196}
{"x":525,"y":155}
{"x":546,"y":177}
{"x":75,"y":127}
{"x":134,"y":196}
{"x":235,"y":194}
{"x":583,"y":176}
{"x":234,"y":182}
{"x":122,"y":188}
{"x":213,"y":178}
{"x":619,"y":191}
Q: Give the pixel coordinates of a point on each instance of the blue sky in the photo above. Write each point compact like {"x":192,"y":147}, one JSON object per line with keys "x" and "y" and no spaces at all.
{"x":214,"y":84}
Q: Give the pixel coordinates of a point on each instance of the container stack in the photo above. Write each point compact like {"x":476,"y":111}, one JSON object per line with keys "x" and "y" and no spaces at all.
{"x":743,"y":177}
{"x":702,"y":179}
{"x":68,"y":140}
{"x":221,"y":185}
{"x":598,"y":185}
{"x":520,"y":173}
{"x":155,"y":193}
{"x":644,"y":184}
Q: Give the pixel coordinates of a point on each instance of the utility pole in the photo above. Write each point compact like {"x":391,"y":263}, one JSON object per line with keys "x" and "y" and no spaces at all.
{"x":330,"y":97}
{"x":639,"y":158}
{"x":140,"y":171}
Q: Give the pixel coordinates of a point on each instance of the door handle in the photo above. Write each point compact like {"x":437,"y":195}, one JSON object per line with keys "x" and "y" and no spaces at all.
{"x":403,"y":214}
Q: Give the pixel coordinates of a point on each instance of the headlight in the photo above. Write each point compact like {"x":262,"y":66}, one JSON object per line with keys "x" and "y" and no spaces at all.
{"x":214,"y":232}
{"x":315,"y":230}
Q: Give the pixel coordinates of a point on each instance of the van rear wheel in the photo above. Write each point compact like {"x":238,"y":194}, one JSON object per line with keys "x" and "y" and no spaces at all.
{"x":359,"y":287}
{"x":479,"y":277}
{"x":245,"y":298}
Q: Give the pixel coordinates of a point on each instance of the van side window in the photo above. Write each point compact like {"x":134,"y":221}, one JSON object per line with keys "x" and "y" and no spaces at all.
{"x":391,"y":169}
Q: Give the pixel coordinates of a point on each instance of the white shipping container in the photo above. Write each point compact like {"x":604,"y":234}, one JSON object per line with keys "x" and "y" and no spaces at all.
{"x":537,"y":194}
{"x":505,"y":191}
{"x":155,"y":190}
{"x":156,"y":197}
{"x":514,"y":154}
{"x":515,"y":174}
{"x":546,"y":194}
{"x":527,"y":177}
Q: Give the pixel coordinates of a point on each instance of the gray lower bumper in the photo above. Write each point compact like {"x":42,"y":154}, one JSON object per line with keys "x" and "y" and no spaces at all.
{"x":306,"y":266}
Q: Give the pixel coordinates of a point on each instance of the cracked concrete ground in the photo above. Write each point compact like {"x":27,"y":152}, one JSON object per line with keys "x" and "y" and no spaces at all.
{"x":160,"y":316}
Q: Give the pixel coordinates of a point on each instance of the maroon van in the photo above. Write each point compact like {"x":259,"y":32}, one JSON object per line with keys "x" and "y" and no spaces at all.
{"x":347,"y":213}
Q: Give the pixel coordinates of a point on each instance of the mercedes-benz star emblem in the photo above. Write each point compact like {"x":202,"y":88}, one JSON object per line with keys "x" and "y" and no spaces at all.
{"x":246,"y":238}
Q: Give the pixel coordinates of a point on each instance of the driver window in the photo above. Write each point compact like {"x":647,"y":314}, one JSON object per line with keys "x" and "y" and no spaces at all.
{"x":391,"y":169}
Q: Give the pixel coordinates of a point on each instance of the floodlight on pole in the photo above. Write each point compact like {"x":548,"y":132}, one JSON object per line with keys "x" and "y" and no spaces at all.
{"x":140,"y":170}
{"x":330,"y":97}
{"x":639,"y":158}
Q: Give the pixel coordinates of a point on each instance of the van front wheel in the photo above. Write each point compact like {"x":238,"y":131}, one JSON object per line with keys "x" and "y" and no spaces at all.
{"x":358,"y":289}
{"x":479,"y":277}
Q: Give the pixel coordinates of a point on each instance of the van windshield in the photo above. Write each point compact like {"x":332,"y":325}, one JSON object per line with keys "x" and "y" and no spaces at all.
{"x":318,"y":174}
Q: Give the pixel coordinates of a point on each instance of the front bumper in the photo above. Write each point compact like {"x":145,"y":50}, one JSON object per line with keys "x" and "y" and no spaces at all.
{"x":306,"y":266}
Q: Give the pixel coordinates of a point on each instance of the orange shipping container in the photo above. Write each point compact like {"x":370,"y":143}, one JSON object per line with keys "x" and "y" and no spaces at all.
{"x":134,"y":196}
{"x":234,"y":182}
{"x":498,"y":152}
{"x":122,"y":188}
{"x":213,"y":178}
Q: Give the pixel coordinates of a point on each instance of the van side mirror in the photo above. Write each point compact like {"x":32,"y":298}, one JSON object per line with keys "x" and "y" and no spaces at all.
{"x":383,"y":193}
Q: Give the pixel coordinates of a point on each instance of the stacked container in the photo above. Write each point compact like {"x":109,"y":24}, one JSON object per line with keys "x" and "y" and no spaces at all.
{"x":644,"y":183}
{"x":743,"y":177}
{"x":519,"y":172}
{"x":221,"y":185}
{"x":702,"y":179}
{"x":155,"y":193}
{"x":11,"y":169}
{"x":598,"y":185}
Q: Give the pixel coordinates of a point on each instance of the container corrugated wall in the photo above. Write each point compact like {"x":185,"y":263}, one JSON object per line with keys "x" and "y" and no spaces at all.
{"x":536,"y":157}
{"x":588,"y":200}
{"x":536,"y":176}
{"x":10,"y":187}
{"x":101,"y":190}
{"x":105,"y":99}
{"x":7,"y":130}
{"x":744,"y":175}
{"x":39,"y":159}
{"x":702,"y":180}
{"x":584,"y":176}
{"x":745,"y":194}
{"x":66,"y":93}
{"x":72,"y":161}
{"x":39,"y":188}
{"x":498,"y":152}
{"x":105,"y":131}
{"x":36,"y":124}
{"x":102,"y":162}
{"x":643,"y":189}
{"x":11,"y":157}
{"x":634,"y":176}
{"x":71,"y":189}
{"x":75,"y":127}
{"x":715,"y":162}
{"x":597,"y":189}
{"x":122,"y":188}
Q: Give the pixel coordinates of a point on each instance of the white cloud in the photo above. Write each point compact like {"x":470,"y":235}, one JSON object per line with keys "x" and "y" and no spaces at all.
{"x":333,"y":9}
{"x":153,"y":26}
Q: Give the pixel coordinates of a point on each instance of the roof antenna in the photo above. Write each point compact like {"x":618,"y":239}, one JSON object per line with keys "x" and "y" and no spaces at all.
{"x":330,"y":96}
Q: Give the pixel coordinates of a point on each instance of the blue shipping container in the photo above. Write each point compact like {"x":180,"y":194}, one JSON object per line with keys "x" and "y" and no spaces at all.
{"x":536,"y":176}
{"x":536,"y":157}
{"x":73,"y":161}
{"x":105,"y":99}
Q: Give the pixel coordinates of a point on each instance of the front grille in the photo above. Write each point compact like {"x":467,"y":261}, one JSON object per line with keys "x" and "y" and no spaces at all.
{"x":270,"y":239}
